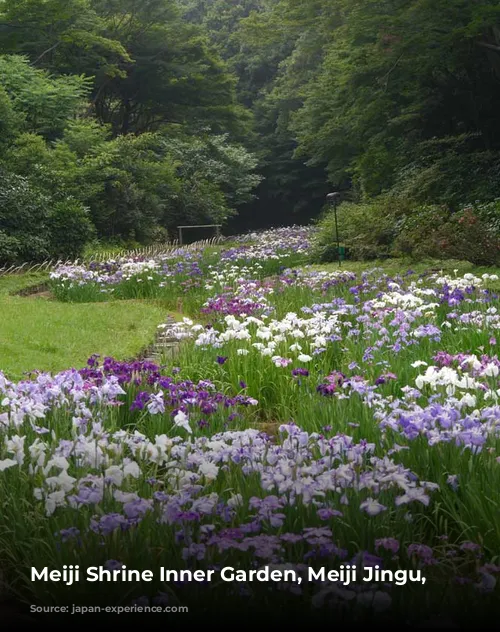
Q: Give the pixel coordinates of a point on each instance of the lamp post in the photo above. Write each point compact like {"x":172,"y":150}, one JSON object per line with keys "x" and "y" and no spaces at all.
{"x":333,"y":198}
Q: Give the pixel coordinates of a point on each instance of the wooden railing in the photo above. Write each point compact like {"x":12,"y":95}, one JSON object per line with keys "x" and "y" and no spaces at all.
{"x":147,"y":251}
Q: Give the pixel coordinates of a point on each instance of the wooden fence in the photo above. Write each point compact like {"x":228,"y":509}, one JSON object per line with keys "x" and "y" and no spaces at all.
{"x":100,"y":257}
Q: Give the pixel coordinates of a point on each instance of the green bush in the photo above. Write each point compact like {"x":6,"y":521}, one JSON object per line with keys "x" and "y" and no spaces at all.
{"x":420,"y":231}
{"x":70,"y":229}
{"x":471,"y":234}
{"x":9,"y":248}
{"x":367,"y":229}
{"x":34,"y":227}
{"x":490,"y":214}
{"x":391,"y":226}
{"x":473,"y":238}
{"x":23,"y":216}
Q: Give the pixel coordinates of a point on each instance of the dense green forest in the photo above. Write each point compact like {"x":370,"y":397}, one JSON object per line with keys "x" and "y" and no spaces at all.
{"x":121,"y":119}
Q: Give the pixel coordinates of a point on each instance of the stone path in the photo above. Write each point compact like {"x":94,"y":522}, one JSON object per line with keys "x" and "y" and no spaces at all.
{"x":166,"y":345}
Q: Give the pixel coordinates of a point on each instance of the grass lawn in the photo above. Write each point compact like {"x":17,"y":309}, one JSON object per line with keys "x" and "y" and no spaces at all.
{"x":38,"y":333}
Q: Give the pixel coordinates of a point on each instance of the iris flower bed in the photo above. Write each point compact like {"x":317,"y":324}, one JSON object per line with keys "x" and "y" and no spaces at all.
{"x":311,"y":419}
{"x":183,"y":273}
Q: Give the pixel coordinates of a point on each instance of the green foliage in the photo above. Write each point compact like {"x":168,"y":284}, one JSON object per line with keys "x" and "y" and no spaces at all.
{"x":124,"y":108}
{"x":23,"y":213}
{"x":70,"y":229}
{"x":256,"y":108}
{"x":490,"y":214}
{"x":65,"y":36}
{"x":367,"y":230}
{"x":215,"y":177}
{"x":84,"y":136}
{"x":421,"y":232}
{"x":10,"y":120}
{"x":256,"y":38}
{"x":35,"y":226}
{"x":130,"y":185}
{"x":183,"y":82}
{"x":451,"y":171}
{"x":387,"y":96}
{"x":9,"y":248}
{"x":471,"y":234}
{"x":391,"y":226}
{"x":138,"y":186}
{"x":45,"y":102}
{"x":397,"y":78}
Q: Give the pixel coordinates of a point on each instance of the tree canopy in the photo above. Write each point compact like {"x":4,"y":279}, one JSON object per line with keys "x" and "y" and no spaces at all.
{"x":151,"y":112}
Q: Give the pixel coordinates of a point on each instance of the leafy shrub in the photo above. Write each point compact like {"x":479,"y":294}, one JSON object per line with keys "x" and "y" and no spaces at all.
{"x":472,"y":238}
{"x":23,"y":215}
{"x":419,"y":231}
{"x":435,"y":231}
{"x":70,"y":229}
{"x":367,"y":230}
{"x":390,"y":226}
{"x":9,"y":248}
{"x":34,"y":227}
{"x":490,"y":214}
